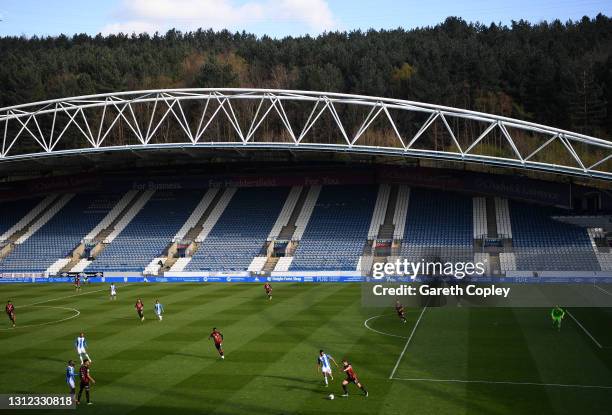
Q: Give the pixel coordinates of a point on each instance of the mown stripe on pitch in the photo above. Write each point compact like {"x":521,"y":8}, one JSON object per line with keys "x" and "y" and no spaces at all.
{"x":238,"y":334}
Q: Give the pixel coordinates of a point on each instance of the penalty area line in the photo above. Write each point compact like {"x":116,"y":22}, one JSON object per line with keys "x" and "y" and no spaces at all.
{"x":399,"y":359}
{"x":494,"y":382}
{"x":584,"y":329}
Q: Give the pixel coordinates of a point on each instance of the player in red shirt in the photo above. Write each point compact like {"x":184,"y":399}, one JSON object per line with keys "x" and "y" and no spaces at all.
{"x":10,"y":311}
{"x":268,"y":289}
{"x":77,"y":283}
{"x":218,"y":339}
{"x":86,"y":380}
{"x":351,"y":377}
{"x":401,"y":313}
{"x":140,"y":309}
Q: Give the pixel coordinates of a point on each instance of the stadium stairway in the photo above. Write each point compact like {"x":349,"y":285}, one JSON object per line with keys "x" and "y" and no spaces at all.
{"x":77,"y":263}
{"x":12,"y":211}
{"x":385,"y":229}
{"x":145,"y":232}
{"x":337,"y":230}
{"x":46,"y":244}
{"x":216,"y":202}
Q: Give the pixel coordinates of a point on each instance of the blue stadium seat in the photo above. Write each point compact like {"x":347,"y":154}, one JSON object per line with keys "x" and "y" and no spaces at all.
{"x":241,"y":231}
{"x":337,"y":231}
{"x":149,"y":232}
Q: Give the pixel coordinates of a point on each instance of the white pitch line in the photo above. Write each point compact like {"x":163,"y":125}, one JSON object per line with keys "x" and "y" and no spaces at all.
{"x":603,"y":289}
{"x":493,"y":382}
{"x":67,"y":296}
{"x":399,"y":359}
{"x":365,"y":323}
{"x":77,"y":313}
{"x":584,"y":329}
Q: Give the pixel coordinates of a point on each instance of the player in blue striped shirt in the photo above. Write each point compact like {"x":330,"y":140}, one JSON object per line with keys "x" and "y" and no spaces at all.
{"x":80,"y":344}
{"x":159,"y":310}
{"x":323,"y":364}
{"x":70,"y":377}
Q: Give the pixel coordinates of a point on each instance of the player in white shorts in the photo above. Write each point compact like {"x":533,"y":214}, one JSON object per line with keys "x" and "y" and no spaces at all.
{"x":159,"y":310}
{"x":324,"y":365}
{"x":70,"y":377}
{"x":81,"y":347}
{"x":113,"y":292}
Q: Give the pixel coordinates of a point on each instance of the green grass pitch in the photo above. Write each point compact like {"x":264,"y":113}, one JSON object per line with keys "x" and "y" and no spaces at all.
{"x":458,"y":361}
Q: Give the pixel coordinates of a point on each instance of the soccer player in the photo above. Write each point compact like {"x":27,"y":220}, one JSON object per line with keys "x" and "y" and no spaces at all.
{"x":113,"y":291}
{"x":140,"y":309}
{"x":81,"y":345}
{"x":159,"y":310}
{"x":401,"y":313}
{"x":351,"y":377}
{"x":557,"y":315}
{"x":77,"y":283}
{"x":86,"y":380}
{"x":218,"y":339}
{"x":268,"y":289}
{"x":10,"y":311}
{"x":324,"y":366}
{"x":70,"y":374}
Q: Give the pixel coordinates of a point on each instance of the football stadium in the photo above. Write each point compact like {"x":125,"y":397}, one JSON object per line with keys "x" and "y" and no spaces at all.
{"x":237,"y":249}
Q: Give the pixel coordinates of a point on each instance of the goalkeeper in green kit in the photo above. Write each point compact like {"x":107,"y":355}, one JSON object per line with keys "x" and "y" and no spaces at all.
{"x":557,"y":315}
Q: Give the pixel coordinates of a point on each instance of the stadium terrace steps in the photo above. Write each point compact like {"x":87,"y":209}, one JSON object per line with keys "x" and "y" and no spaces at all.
{"x":257,"y":264}
{"x":270,"y":264}
{"x":283,"y":264}
{"x":45,"y":217}
{"x":215,"y":213}
{"x":337,"y":229}
{"x":152,"y":222}
{"x":401,"y":211}
{"x":480,"y":217}
{"x":112,"y":216}
{"x":288,"y":230}
{"x":180,"y":264}
{"x":380,"y":210}
{"x":286,"y":212}
{"x":502,"y":218}
{"x":306,"y":212}
{"x":55,"y":234}
{"x":81,"y":265}
{"x":198,"y":215}
{"x":242,"y":222}
{"x":491,"y":217}
{"x":21,"y":227}
{"x":125,"y":220}
{"x":154,"y":266}
{"x":55,"y":268}
{"x":13,"y":210}
{"x":387,"y":228}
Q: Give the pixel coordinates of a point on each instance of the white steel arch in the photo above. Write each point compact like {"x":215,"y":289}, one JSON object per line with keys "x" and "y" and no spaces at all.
{"x":137,"y":120}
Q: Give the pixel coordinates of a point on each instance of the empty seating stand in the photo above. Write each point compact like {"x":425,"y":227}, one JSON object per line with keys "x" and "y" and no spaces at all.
{"x":148,"y":234}
{"x":544,"y":244}
{"x":241,"y":231}
{"x":60,"y":235}
{"x":439,"y":227}
{"x":12,"y":212}
{"x":337,"y":230}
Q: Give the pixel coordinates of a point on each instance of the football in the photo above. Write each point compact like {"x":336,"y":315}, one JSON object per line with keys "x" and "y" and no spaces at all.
{"x":331,"y":396}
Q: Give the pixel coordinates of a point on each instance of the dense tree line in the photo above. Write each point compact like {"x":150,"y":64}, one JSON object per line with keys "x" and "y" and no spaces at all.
{"x":554,"y":73}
